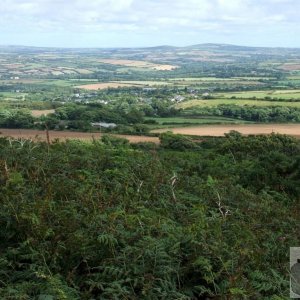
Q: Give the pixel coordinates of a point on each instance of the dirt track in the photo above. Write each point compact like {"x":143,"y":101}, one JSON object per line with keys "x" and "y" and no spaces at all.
{"x":64,"y":135}
{"x":220,"y":130}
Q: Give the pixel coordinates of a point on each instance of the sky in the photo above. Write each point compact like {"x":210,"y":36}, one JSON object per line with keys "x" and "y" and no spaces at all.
{"x":142,"y":23}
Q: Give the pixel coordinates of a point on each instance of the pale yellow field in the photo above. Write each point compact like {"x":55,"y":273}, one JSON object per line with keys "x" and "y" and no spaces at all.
{"x":246,"y":129}
{"x":138,"y":64}
{"x":102,"y":86}
{"x":84,"y":71}
{"x":57,"y":73}
{"x":38,"y":113}
{"x":144,"y":83}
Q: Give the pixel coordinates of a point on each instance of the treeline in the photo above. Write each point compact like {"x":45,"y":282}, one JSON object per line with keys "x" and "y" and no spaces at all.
{"x":81,"y":116}
{"x":250,"y":113}
{"x":128,"y":115}
{"x":184,"y":220}
{"x":71,"y":116}
{"x":16,"y":118}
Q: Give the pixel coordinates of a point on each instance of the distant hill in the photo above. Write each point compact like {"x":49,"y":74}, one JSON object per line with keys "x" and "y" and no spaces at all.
{"x":208,"y":52}
{"x":205,"y":46}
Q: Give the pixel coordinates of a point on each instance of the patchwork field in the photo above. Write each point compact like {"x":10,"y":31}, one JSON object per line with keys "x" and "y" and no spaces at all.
{"x":117,"y":84}
{"x":138,"y":64}
{"x":220,"y":130}
{"x":34,"y":69}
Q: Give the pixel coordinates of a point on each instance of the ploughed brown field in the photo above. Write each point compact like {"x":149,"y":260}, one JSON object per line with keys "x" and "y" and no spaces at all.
{"x":247,"y":129}
{"x":290,"y":67}
{"x":37,"y":135}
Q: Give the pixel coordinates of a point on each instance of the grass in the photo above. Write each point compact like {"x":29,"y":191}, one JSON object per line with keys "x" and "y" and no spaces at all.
{"x":240,"y":102}
{"x":183,"y":122}
{"x":232,"y":80}
{"x":276,"y":94}
{"x":293,"y":77}
{"x":201,"y":79}
{"x":143,"y":83}
{"x":11,"y":96}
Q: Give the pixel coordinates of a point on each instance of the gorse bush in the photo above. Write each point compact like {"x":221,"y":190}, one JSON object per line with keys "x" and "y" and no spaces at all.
{"x":109,"y":221}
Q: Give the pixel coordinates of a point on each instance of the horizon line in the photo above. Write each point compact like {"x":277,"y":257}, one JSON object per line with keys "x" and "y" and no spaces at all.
{"x":146,"y":47}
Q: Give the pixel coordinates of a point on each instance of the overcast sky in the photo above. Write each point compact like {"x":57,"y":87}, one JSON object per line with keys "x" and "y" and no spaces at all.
{"x":129,"y":23}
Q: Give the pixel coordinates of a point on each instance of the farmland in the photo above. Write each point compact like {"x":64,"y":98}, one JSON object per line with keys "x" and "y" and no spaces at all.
{"x":291,"y":66}
{"x":38,"y":135}
{"x":200,"y":84}
{"x":204,"y":130}
{"x":138,"y":64}
{"x":249,"y":129}
{"x":103,"y":86}
{"x":239,"y":102}
{"x":39,"y":113}
{"x":191,"y":121}
{"x":118,"y":84}
{"x":271,"y":94}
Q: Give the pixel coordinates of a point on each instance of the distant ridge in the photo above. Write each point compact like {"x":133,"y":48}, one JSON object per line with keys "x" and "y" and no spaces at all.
{"x":210,"y":46}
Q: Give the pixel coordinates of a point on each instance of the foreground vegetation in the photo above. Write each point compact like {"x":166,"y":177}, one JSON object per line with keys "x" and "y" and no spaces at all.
{"x":183,"y":220}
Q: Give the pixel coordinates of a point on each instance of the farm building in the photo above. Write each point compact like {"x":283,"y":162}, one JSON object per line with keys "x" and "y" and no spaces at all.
{"x":178,"y":99}
{"x":104,"y":125}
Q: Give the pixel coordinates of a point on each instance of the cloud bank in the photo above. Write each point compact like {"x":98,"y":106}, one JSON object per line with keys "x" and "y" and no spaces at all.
{"x":149,"y":22}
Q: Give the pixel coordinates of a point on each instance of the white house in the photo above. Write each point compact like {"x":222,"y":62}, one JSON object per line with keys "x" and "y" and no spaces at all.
{"x":104,"y":125}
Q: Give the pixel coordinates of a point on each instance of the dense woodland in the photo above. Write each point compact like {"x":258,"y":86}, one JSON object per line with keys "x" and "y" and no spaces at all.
{"x":184,"y":220}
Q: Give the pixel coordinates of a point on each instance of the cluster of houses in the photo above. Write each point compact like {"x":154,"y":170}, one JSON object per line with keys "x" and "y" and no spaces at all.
{"x":178,"y":99}
{"x":85,"y":97}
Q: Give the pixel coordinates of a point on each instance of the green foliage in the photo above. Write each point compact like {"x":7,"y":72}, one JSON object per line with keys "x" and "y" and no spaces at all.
{"x":105,"y":220}
{"x":250,"y":113}
{"x":114,"y":141}
{"x":176,"y":141}
{"x":16,"y":119}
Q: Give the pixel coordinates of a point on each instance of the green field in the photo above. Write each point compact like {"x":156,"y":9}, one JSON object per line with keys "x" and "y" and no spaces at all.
{"x":240,"y":102}
{"x":143,"y":83}
{"x":11,"y":96}
{"x":175,"y":121}
{"x":273,"y":94}
{"x":209,"y":81}
{"x":202,"y":79}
